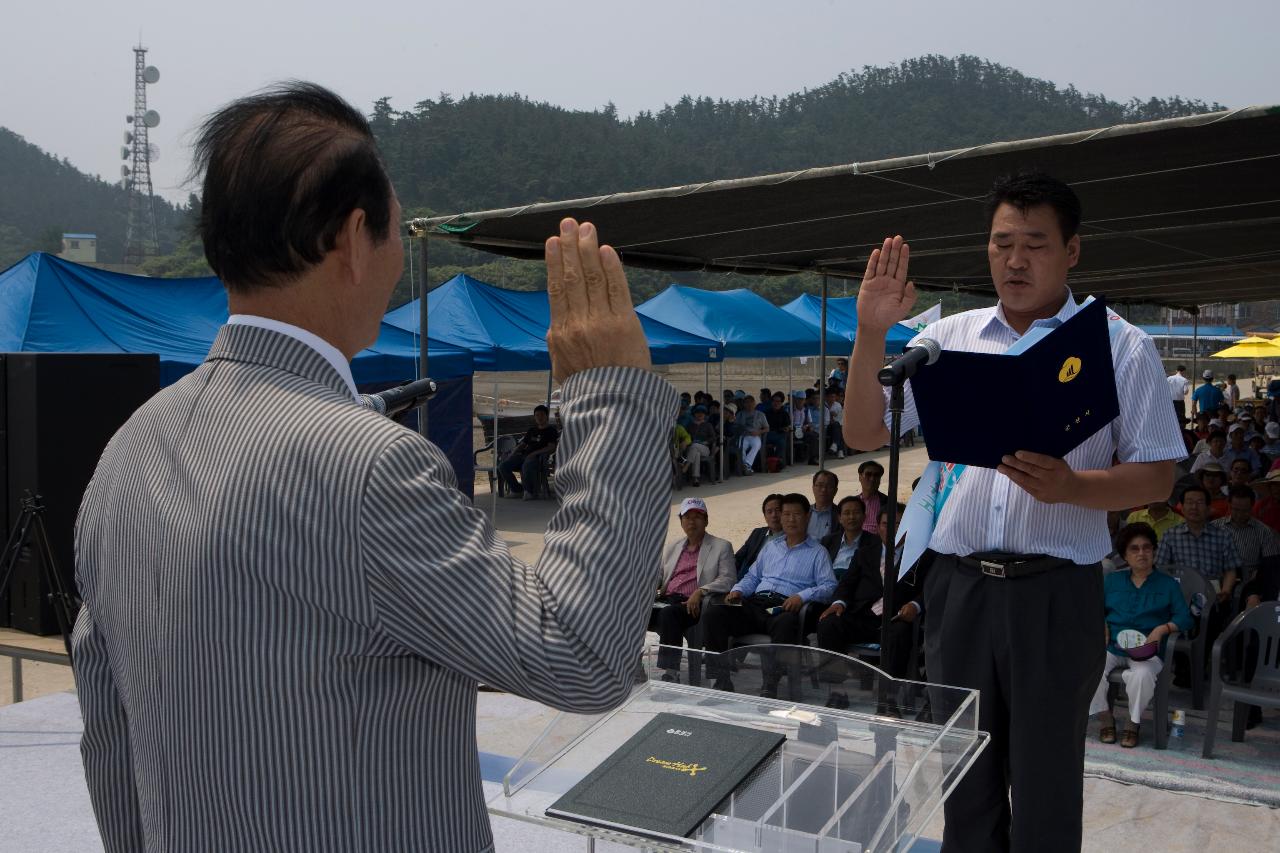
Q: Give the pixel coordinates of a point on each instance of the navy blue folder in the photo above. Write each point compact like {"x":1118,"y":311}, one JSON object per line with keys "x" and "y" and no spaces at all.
{"x":1046,"y":399}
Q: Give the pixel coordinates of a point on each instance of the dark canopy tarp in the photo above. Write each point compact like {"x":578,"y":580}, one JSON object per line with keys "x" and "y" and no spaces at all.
{"x":51,"y":305}
{"x":842,"y":321}
{"x":746,"y":323}
{"x":507,"y":329}
{"x":1181,"y":212}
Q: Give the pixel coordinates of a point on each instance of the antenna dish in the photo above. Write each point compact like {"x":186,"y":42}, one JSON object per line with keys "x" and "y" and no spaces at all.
{"x":124,"y":153}
{"x":151,"y":118}
{"x":128,"y":138}
{"x":124,"y":171}
{"x":151,"y":74}
{"x":153,"y":152}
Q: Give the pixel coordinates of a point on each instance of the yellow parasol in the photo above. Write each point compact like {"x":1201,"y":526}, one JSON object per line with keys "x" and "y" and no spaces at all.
{"x":1252,"y":347}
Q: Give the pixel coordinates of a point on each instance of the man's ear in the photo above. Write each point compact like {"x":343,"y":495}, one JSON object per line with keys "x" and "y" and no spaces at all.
{"x":350,"y":245}
{"x":1073,"y":251}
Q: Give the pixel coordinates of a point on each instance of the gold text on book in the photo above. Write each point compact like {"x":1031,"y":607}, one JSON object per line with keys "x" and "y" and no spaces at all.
{"x":678,"y":766}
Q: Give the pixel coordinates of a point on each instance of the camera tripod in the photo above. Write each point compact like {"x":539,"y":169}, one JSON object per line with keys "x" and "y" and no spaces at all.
{"x":32,"y":518}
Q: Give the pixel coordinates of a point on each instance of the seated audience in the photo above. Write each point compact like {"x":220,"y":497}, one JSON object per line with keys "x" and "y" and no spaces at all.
{"x":1209,"y":549}
{"x":1254,"y":540}
{"x":1267,"y":508}
{"x":1237,"y":449}
{"x":844,"y":544}
{"x":779,"y":436}
{"x":1139,"y":599}
{"x":746,"y":555}
{"x":790,"y":570}
{"x":705,"y":441}
{"x":869,"y":475}
{"x":1216,"y":452}
{"x":538,"y":442}
{"x":840,"y":374}
{"x":822,"y":514}
{"x":1239,"y":474}
{"x":856,"y":611}
{"x":1159,"y":515}
{"x":694,"y":566}
{"x":752,"y":427}
{"x":835,"y":427}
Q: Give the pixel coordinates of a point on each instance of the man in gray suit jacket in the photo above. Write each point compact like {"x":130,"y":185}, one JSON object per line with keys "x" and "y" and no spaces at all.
{"x":694,"y":567}
{"x":287,"y":602}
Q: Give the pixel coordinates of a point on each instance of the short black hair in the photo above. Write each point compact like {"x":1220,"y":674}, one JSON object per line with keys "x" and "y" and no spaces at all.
{"x":1136,"y":530}
{"x":541,"y":408}
{"x":1182,"y":367}
{"x":768,"y":498}
{"x":1029,"y":189}
{"x":835,"y":479}
{"x":1231,"y":376}
{"x":1241,"y":492}
{"x":1217,"y":433}
{"x":871,"y":463}
{"x":796,"y":499}
{"x":1201,"y":489}
{"x":283,"y":170}
{"x":884,"y":510}
{"x":1241,"y":460}
{"x":857,"y":499}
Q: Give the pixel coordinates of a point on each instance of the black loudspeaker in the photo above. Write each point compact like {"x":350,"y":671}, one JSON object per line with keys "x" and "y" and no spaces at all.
{"x":59,"y":412}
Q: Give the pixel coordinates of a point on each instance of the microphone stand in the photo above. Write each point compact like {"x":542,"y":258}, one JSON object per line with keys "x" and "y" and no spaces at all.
{"x":897,"y":402}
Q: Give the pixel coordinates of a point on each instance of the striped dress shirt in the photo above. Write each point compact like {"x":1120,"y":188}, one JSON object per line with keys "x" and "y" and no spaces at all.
{"x":803,"y":570}
{"x":288,"y":605}
{"x":986,"y":511}
{"x":1254,"y":540}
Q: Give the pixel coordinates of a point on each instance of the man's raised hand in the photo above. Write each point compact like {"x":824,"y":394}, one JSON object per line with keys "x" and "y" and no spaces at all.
{"x":593,"y":323}
{"x":885,"y":297}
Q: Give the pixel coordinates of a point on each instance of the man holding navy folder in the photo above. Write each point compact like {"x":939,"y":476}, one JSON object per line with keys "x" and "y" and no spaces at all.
{"x":1014,"y":599}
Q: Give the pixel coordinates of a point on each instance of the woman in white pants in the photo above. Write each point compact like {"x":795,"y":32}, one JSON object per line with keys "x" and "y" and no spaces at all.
{"x":1139,"y":599}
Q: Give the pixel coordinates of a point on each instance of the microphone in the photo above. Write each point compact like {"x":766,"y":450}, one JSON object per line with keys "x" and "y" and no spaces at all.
{"x":396,"y":401}
{"x":902,"y":368}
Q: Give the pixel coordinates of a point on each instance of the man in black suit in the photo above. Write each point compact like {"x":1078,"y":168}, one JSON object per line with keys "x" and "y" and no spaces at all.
{"x":746,"y":555}
{"x":849,"y":539}
{"x":854,"y":613}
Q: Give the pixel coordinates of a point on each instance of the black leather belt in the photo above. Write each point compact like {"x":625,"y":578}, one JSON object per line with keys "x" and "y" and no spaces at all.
{"x":1009,"y":566}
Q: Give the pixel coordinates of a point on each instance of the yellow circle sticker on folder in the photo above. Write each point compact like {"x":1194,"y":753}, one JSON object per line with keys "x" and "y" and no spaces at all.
{"x":1070,"y":369}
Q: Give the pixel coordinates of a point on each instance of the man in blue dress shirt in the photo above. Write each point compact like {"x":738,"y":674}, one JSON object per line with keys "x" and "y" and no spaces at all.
{"x":791,"y":570}
{"x":1015,"y":597}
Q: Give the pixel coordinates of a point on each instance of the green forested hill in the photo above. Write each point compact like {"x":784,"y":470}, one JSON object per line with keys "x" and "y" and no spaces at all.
{"x":482,"y":151}
{"x":42,"y":196}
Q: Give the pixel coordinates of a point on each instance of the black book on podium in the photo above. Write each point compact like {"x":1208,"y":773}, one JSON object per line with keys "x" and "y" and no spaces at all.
{"x":668,"y":777}
{"x":1066,"y":381}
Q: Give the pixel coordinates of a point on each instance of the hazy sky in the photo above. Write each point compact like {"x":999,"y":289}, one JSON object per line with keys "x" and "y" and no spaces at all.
{"x":66,"y":70}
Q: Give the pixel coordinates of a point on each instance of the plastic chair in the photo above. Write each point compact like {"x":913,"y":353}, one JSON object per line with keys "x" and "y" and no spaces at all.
{"x":1159,"y":701}
{"x":1193,"y":645}
{"x":505,"y":446}
{"x":1262,"y":623}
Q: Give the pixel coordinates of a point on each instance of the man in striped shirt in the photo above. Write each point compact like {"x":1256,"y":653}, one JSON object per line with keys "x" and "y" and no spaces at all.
{"x":1014,"y":598}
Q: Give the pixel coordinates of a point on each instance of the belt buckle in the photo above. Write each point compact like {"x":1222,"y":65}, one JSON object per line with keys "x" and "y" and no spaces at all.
{"x":992,"y":570}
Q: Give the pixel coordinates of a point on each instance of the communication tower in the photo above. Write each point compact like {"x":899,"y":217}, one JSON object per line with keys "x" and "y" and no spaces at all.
{"x":140,"y":234}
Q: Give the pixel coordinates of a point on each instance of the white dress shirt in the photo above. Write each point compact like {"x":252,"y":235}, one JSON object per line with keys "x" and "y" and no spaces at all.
{"x":987,"y":512}
{"x":330,"y":353}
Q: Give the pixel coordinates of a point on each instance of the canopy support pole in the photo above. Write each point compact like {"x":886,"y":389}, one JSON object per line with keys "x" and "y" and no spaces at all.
{"x":822,"y":378}
{"x":497,"y":480}
{"x":706,"y":377}
{"x":1194,"y":311}
{"x":550,"y":376}
{"x":722,"y":412}
{"x":422,"y":334}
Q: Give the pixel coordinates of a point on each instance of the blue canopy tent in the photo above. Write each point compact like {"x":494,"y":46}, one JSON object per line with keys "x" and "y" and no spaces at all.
{"x":51,"y":305}
{"x":507,"y":329}
{"x":842,"y":320}
{"x":746,"y":324}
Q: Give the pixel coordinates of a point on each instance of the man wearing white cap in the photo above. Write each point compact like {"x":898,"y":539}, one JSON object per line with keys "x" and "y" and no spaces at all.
{"x":1272,"y":446}
{"x":1206,"y":398}
{"x":1236,"y":449}
{"x":693,"y":566}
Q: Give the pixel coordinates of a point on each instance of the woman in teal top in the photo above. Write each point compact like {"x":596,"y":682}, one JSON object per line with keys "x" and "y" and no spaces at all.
{"x":1140,"y":599}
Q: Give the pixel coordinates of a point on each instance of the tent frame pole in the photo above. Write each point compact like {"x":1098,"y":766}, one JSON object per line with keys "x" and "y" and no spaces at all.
{"x":1194,"y":311}
{"x":722,"y":412}
{"x":422,"y":334}
{"x":497,"y":480}
{"x":791,"y":433}
{"x":822,"y":378}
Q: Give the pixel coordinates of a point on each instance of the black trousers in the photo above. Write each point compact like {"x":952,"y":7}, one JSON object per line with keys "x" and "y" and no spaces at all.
{"x":1035,"y":649}
{"x":671,"y":622}
{"x":724,"y":621}
{"x":1180,"y":409}
{"x":837,"y":633}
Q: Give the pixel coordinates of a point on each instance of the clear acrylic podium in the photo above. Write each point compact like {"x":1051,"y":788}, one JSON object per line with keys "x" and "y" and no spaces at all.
{"x":867,"y":761}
